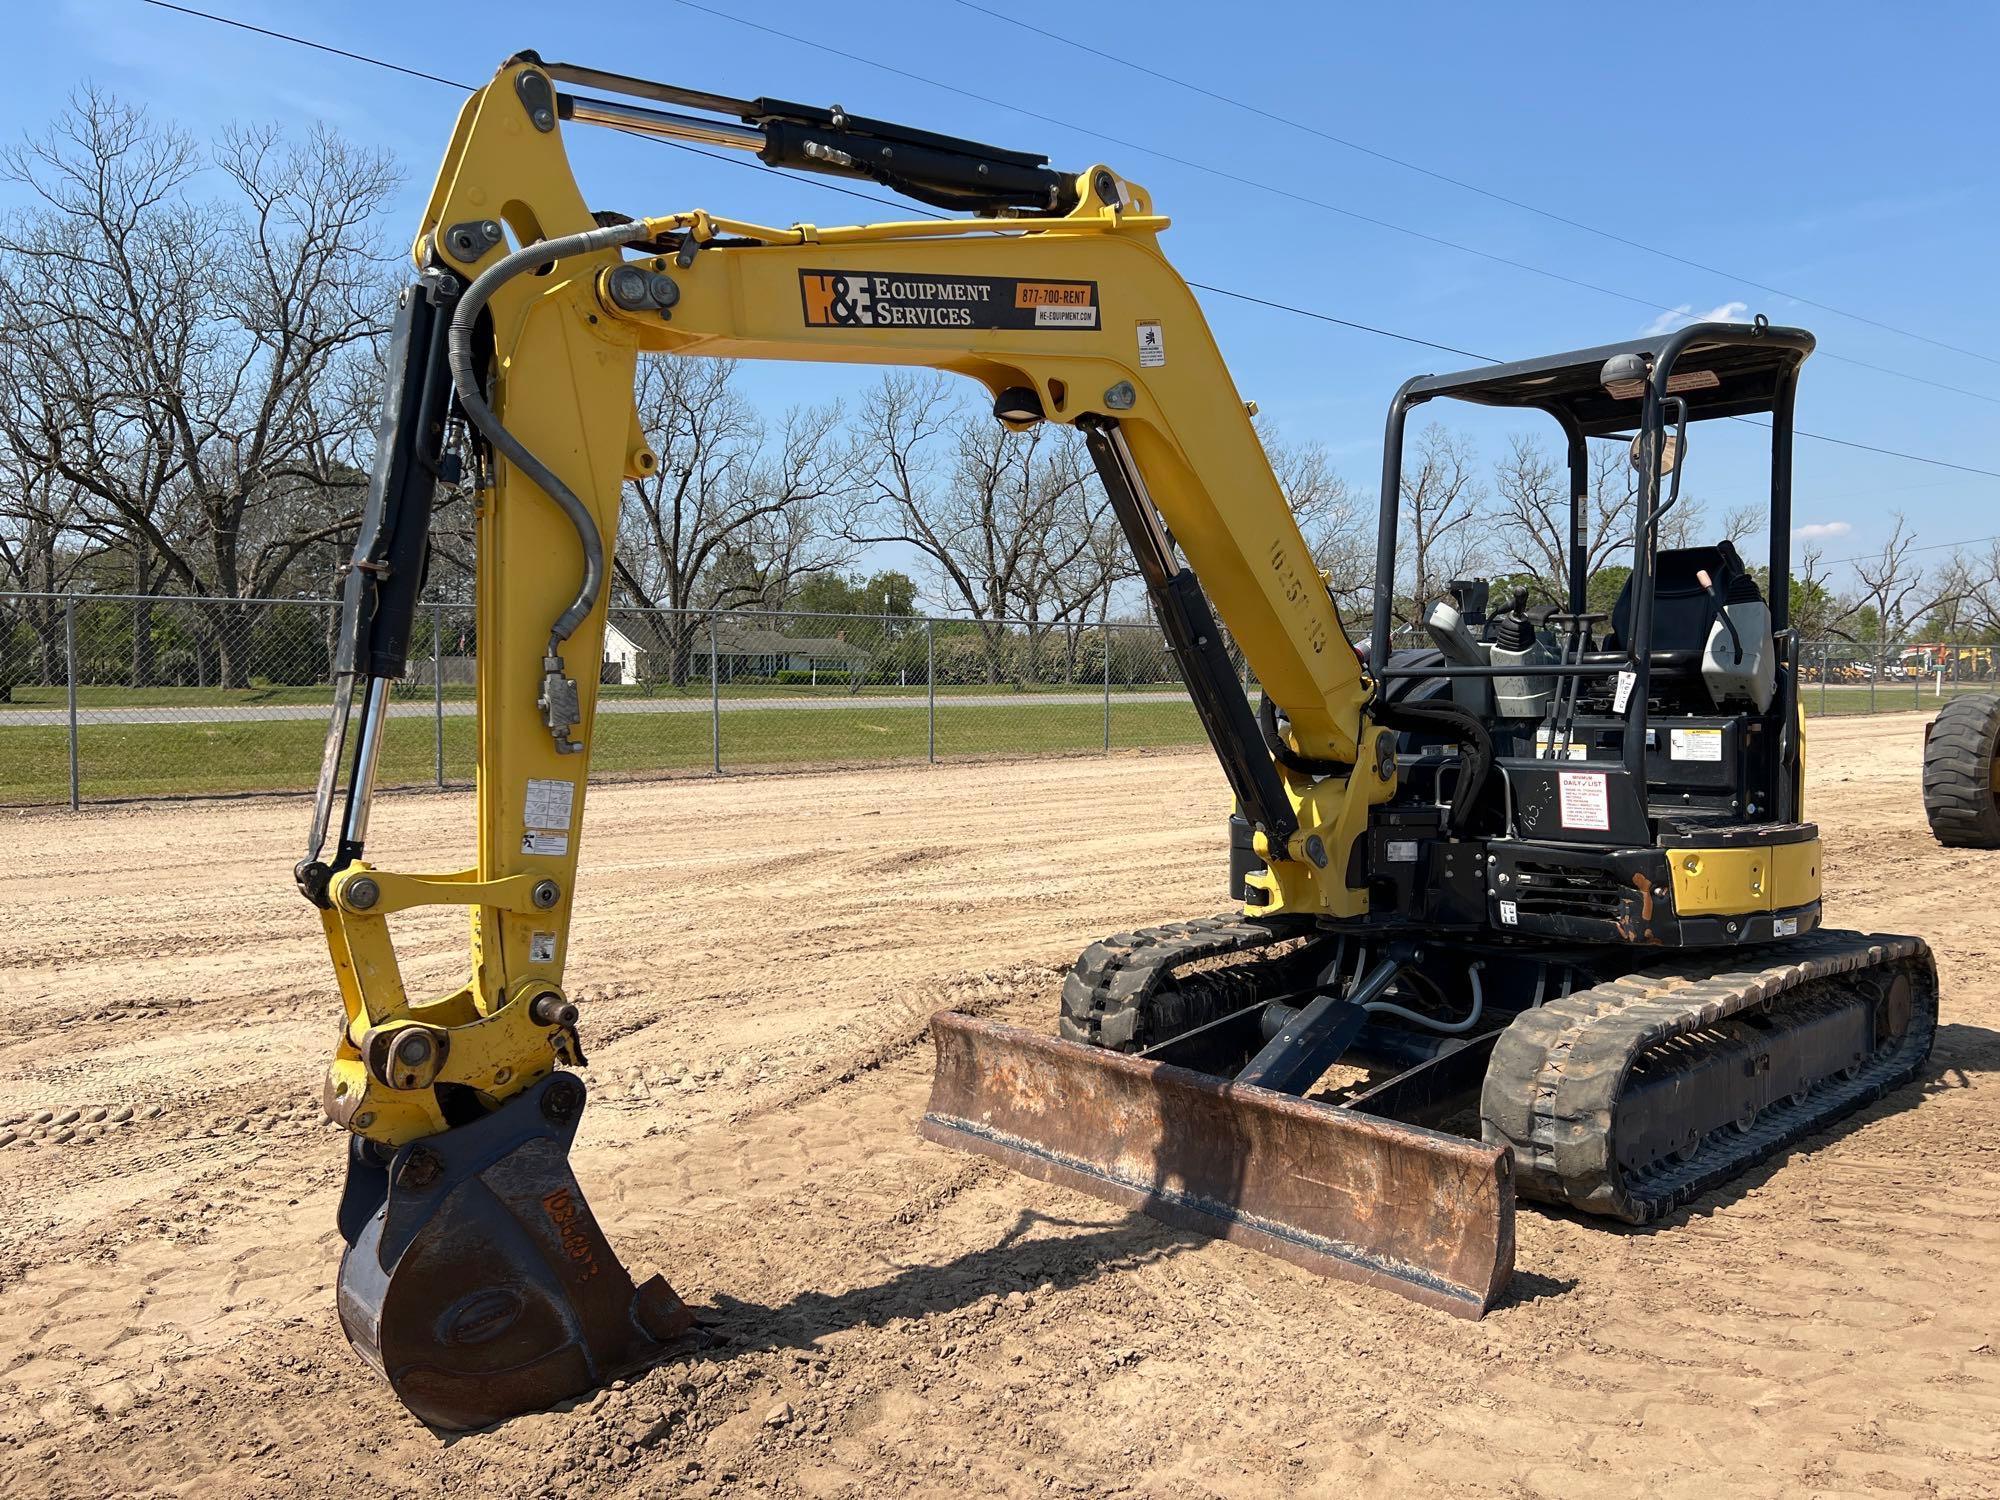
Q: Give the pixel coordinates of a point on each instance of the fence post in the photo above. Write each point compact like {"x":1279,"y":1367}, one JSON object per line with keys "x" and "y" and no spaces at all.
{"x":1825,"y":666}
{"x":714,"y":696}
{"x":437,"y":686}
{"x":69,"y":652}
{"x":1106,"y":632}
{"x":930,"y":688}
{"x":1874,"y":677}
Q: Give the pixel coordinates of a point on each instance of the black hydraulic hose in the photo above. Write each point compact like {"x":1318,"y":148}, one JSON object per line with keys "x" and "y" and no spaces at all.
{"x":1462,"y":725}
{"x":473,"y":402}
{"x":1284,"y":754}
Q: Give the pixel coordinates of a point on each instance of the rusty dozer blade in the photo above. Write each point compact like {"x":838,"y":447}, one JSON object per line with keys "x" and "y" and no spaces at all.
{"x":1425,"y":1215}
{"x":475,"y":1277}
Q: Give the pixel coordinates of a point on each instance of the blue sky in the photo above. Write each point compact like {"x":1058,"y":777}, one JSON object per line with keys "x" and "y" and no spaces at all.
{"x":1842,"y":152}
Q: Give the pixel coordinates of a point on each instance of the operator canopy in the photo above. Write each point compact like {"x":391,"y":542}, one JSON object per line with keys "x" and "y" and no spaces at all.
{"x":1718,"y":374}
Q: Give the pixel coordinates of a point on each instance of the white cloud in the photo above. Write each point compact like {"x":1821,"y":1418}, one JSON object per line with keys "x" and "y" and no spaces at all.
{"x":1816,"y":531}
{"x":1727,"y":312}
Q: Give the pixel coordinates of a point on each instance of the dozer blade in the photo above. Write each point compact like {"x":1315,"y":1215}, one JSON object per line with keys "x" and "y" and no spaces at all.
{"x":1425,"y":1215}
{"x":476,"y":1279}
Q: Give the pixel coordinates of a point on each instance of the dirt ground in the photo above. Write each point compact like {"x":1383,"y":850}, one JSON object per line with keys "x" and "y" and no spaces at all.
{"x":755,"y":959}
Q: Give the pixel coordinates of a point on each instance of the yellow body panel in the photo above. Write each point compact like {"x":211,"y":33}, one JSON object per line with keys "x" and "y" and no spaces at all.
{"x":1736,"y":882}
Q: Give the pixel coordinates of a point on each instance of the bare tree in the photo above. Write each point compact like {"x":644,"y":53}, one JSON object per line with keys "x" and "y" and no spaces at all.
{"x":733,"y":514}
{"x":1336,"y":524}
{"x":1008,"y":523}
{"x":1955,"y":588}
{"x":1442,"y":500}
{"x":1895,"y":588}
{"x":44,"y":548}
{"x":1815,"y":612}
{"x":1980,"y":608}
{"x":1532,"y":489}
{"x":185,"y":353}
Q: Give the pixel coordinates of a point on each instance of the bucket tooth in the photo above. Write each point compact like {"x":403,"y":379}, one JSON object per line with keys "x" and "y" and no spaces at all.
{"x":1425,"y":1215}
{"x":476,"y":1279}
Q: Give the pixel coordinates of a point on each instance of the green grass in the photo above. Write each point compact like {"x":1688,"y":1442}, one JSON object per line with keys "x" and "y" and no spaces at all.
{"x":146,"y":760}
{"x":143,"y":760}
{"x":1890,"y":697}
{"x":28,"y":697}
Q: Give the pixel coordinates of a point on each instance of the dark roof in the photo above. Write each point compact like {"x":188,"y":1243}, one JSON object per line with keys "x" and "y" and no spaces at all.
{"x":1721,"y":369}
{"x":756,"y":640}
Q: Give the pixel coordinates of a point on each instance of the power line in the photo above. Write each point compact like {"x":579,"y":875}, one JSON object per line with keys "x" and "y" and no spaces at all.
{"x":1931,"y":547}
{"x":814,"y":181}
{"x":1306,"y":312}
{"x":283,"y":36}
{"x":1650,"y":304}
{"x":377,"y":62}
{"x":1295,"y":123}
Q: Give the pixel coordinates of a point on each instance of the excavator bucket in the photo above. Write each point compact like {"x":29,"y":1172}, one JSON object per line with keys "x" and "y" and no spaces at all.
{"x":475,"y":1277}
{"x":1425,"y":1215}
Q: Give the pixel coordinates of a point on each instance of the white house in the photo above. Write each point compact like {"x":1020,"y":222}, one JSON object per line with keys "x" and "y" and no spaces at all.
{"x":624,"y":658}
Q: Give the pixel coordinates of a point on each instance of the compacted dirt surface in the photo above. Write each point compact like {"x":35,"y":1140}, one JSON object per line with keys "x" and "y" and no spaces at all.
{"x":756,"y":958}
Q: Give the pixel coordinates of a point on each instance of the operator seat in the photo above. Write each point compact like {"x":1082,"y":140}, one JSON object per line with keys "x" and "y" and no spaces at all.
{"x":1684,"y":608}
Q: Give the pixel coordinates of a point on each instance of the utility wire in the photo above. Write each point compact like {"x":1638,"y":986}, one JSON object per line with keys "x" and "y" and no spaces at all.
{"x":299,"y":41}
{"x":377,"y":62}
{"x":817,"y":182}
{"x":1649,"y":303}
{"x":1295,"y":123}
{"x":1930,"y":547}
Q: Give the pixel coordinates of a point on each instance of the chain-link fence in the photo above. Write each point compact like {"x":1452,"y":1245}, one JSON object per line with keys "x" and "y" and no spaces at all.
{"x":105,"y":697}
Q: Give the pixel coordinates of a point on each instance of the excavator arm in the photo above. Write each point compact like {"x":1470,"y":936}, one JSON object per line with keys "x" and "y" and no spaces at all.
{"x":513,"y":363}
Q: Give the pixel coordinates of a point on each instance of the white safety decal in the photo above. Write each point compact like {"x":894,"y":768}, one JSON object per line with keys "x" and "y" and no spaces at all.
{"x":1152,"y":346}
{"x":1510,"y":914}
{"x":1623,"y":696}
{"x":1695,"y":744}
{"x":549,"y":804}
{"x":1584,"y":800}
{"x":541,"y":947}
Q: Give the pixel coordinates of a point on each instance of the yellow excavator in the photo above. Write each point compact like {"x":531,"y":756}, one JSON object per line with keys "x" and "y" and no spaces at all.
{"x":1533,"y":908}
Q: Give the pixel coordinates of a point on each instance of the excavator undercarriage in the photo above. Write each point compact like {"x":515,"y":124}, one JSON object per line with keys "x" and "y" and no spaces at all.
{"x":1533,"y":909}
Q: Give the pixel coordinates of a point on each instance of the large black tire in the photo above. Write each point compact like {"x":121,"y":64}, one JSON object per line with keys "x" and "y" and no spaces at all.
{"x":1961,"y":763}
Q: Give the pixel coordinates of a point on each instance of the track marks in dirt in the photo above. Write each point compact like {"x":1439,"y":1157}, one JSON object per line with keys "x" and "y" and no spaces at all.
{"x":897,"y":1318}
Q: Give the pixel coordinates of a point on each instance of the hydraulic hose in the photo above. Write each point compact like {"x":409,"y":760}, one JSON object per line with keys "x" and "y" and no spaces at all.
{"x":473,"y":402}
{"x":1445,"y":717}
{"x":1449,"y":1028}
{"x":1284,"y":754}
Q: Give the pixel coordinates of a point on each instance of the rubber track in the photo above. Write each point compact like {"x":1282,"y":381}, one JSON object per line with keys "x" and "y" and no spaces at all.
{"x":1552,"y":1087}
{"x":1106,"y":994}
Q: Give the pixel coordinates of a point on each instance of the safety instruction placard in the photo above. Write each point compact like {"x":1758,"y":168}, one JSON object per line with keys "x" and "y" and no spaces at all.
{"x":1584,"y":800}
{"x":546,"y":811}
{"x":1152,"y":345}
{"x":1695,"y":744}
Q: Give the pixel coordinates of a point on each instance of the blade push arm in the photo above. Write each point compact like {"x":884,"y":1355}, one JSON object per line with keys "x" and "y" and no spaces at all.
{"x":1079,"y":315}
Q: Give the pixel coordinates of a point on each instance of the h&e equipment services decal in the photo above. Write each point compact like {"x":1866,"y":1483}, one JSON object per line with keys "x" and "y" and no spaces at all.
{"x":871,"y":299}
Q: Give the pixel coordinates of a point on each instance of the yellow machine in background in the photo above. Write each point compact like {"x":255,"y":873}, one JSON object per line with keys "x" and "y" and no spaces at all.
{"x":1424,"y":890}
